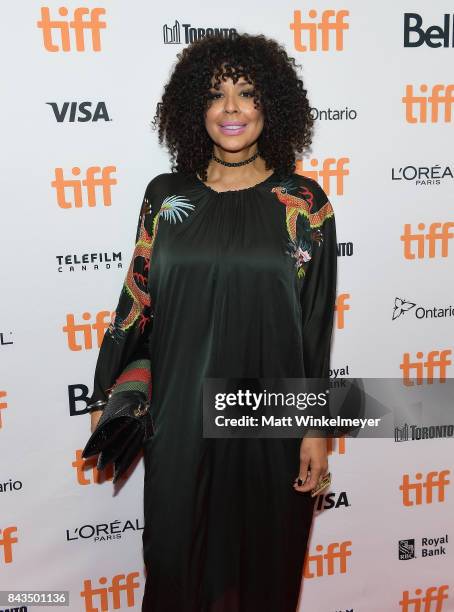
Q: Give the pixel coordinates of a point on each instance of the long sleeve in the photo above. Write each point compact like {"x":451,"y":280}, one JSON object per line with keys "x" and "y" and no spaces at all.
{"x":318,"y":289}
{"x":123,"y":359}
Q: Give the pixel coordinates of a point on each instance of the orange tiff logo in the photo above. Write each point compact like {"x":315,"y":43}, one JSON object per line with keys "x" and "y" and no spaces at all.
{"x":421,"y":489}
{"x":82,"y":466}
{"x":95,"y":177}
{"x":416,"y":106}
{"x":334,"y":560}
{"x":118,"y":584}
{"x":415,"y":243}
{"x":331,"y":169}
{"x":435,"y":363}
{"x":84,"y":331}
{"x":3,"y":405}
{"x":313,"y":34}
{"x":340,"y":307}
{"x":432,"y":595}
{"x":6,"y":543}
{"x":84,"y":20}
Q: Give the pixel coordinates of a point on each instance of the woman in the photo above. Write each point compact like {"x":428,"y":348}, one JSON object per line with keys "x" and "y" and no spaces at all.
{"x":239,"y":281}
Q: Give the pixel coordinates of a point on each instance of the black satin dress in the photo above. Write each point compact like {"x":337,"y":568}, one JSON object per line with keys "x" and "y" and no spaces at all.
{"x":232,"y":284}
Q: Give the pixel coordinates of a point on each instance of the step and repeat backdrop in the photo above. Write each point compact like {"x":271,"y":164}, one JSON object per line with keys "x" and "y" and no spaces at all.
{"x":80,"y":83}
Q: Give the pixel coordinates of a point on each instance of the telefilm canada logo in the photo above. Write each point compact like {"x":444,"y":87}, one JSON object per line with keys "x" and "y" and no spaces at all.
{"x":428,"y":547}
{"x":186,"y":33}
{"x":87,"y":262}
{"x":79,"y":112}
{"x":402,"y":306}
{"x":423,"y":176}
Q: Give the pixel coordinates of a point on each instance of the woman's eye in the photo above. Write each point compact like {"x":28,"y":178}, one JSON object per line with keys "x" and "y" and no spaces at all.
{"x":215,"y":96}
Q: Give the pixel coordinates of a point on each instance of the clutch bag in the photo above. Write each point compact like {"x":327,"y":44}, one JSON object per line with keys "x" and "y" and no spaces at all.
{"x":120,"y":433}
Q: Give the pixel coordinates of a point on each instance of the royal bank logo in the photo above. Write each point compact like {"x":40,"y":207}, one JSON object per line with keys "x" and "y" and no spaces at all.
{"x":179,"y":33}
{"x":423,"y":175}
{"x":402,"y":306}
{"x":83,"y":262}
{"x":406,"y":549}
{"x":79,"y":112}
{"x":406,"y":432}
{"x":427,"y":547}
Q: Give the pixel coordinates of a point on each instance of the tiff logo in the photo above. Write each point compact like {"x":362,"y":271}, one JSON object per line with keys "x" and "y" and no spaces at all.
{"x":424,"y":600}
{"x":416,"y":106}
{"x":438,"y":233}
{"x":73,"y":330}
{"x":437,"y":361}
{"x":6,"y":543}
{"x":82,"y":466}
{"x":84,"y":19}
{"x":331,"y":169}
{"x":3,"y":405}
{"x":422,"y":492}
{"x":325,"y":563}
{"x":317,"y":32}
{"x":341,"y":306}
{"x":91,"y":181}
{"x":119,"y":583}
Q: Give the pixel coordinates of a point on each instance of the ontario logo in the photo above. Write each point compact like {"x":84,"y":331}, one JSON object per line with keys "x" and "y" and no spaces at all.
{"x":402,"y":306}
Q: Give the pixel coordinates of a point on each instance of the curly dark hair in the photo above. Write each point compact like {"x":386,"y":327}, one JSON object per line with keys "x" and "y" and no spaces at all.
{"x":180,"y":115}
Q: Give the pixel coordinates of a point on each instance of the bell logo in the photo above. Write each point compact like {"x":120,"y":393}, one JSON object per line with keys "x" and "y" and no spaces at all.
{"x":438,"y":233}
{"x":318,"y":32}
{"x":436,"y":362}
{"x":416,"y":106}
{"x":3,"y":405}
{"x":119,"y":583}
{"x":74,"y":330}
{"x":325,"y":564}
{"x":104,"y":181}
{"x":83,"y":19}
{"x":331,"y":168}
{"x":82,"y":465}
{"x":432,"y":595}
{"x":6,"y":543}
{"x":418,"y":493}
{"x":340,"y":307}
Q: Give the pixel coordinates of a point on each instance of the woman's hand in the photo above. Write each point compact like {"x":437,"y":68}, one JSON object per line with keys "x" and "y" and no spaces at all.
{"x":95,"y":416}
{"x":313,"y":452}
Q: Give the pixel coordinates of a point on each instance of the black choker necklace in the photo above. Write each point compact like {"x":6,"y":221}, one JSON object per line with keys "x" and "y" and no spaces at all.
{"x":241,"y":163}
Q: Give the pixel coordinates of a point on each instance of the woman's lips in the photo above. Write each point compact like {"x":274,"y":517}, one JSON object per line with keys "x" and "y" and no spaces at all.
{"x":233,"y":129}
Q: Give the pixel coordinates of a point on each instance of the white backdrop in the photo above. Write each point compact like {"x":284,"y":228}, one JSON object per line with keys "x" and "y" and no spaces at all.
{"x":62,"y":525}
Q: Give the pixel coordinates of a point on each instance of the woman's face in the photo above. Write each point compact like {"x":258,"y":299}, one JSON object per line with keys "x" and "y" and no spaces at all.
{"x":231,"y":120}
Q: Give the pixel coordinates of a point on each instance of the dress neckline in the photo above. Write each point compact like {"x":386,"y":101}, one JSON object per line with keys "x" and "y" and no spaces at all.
{"x":245,"y":189}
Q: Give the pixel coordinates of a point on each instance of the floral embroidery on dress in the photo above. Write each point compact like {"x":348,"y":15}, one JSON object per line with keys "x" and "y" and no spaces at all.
{"x":300,"y":216}
{"x":135,"y":300}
